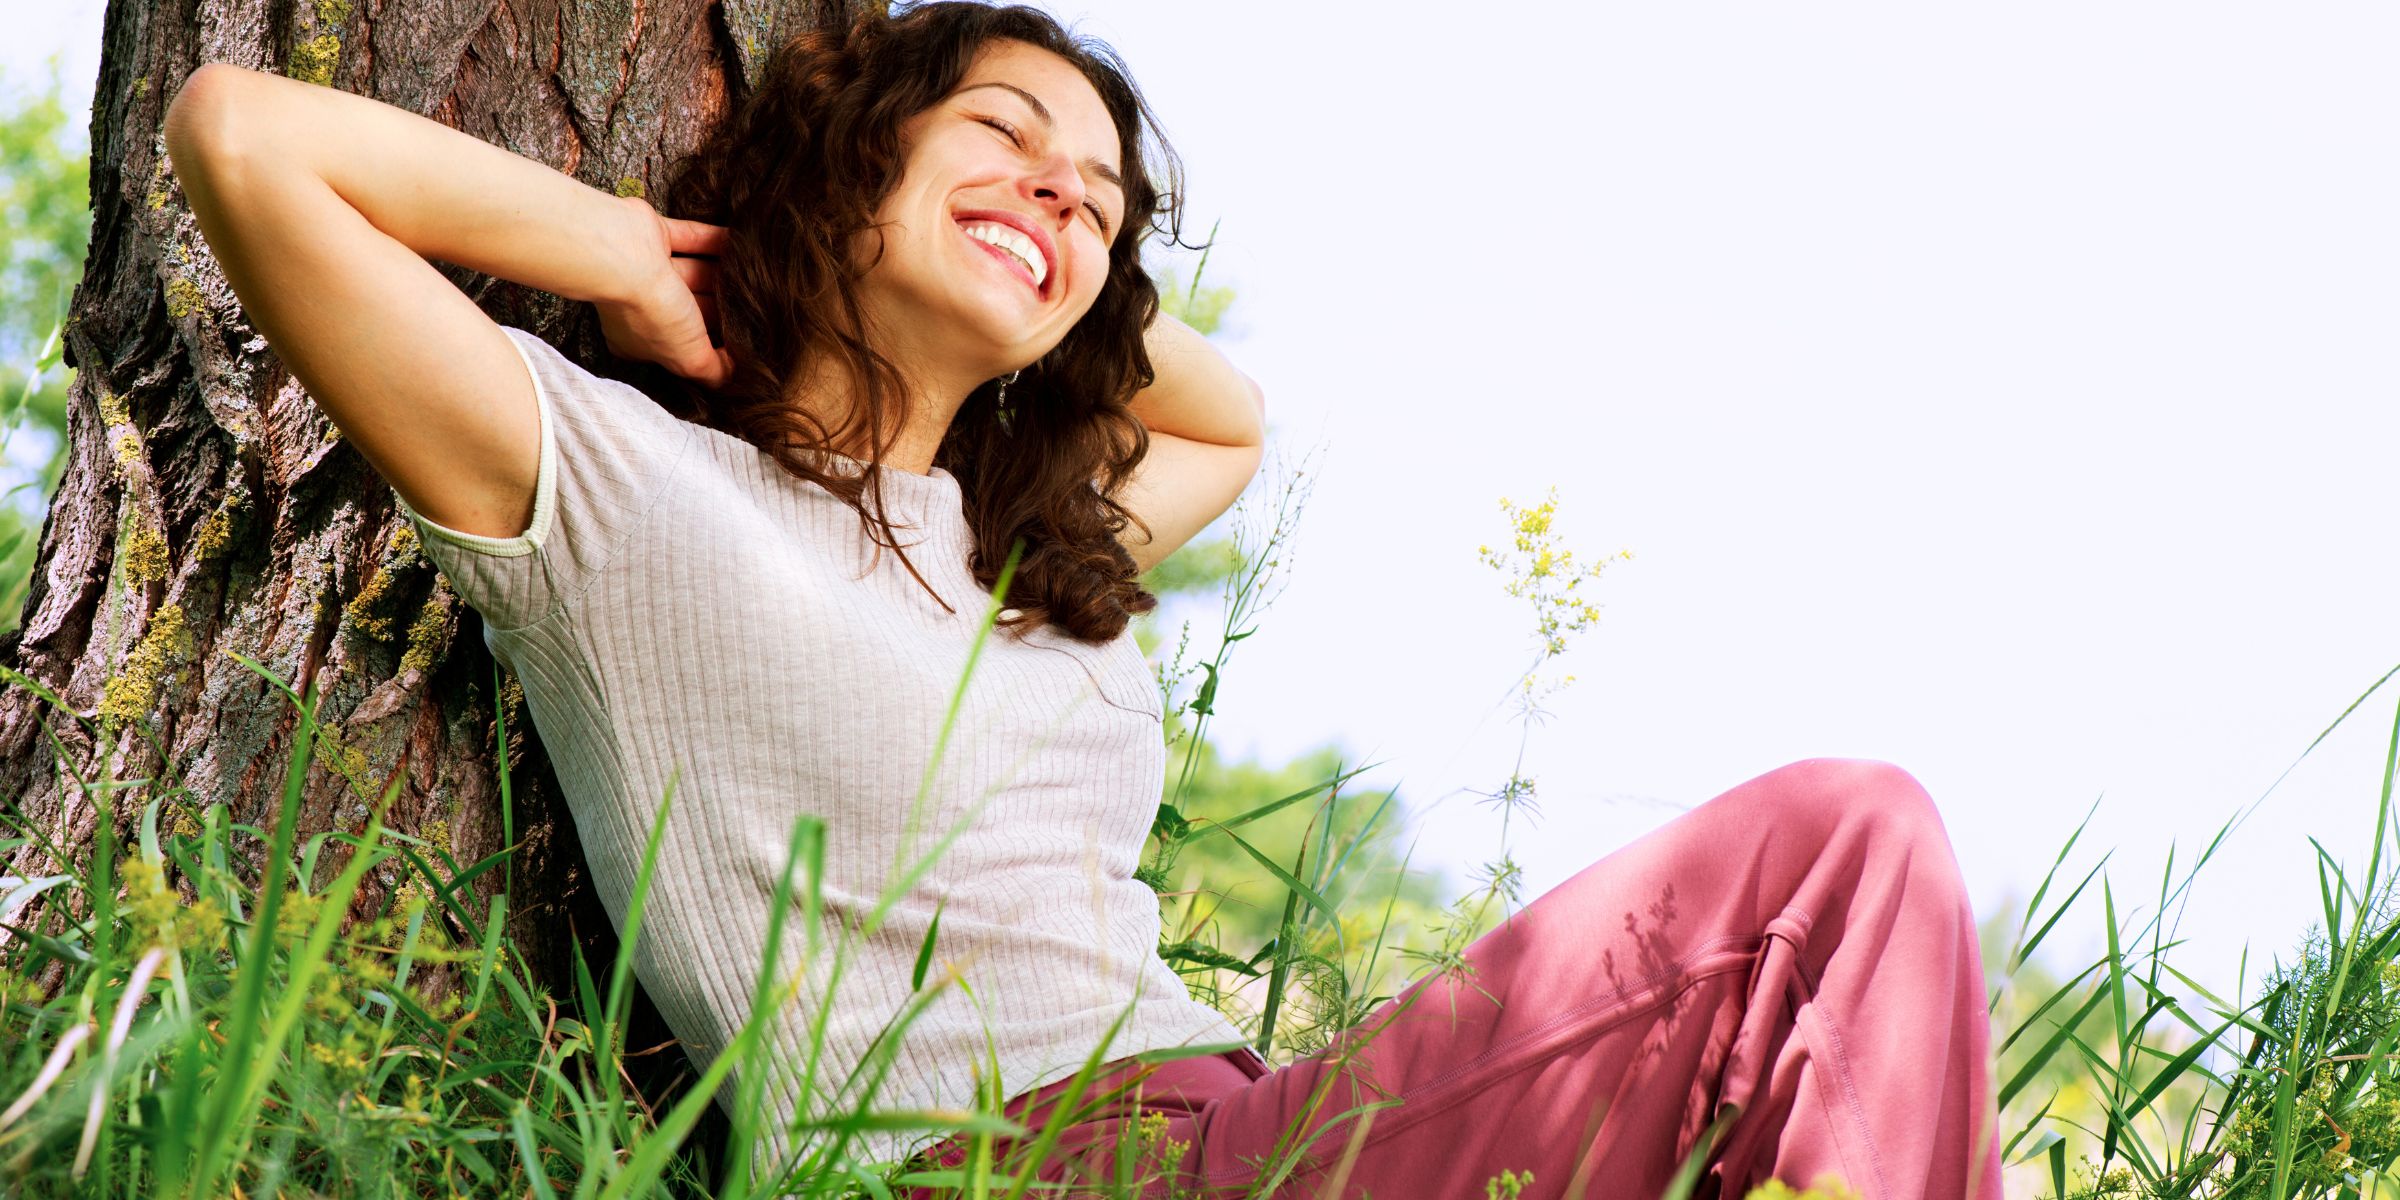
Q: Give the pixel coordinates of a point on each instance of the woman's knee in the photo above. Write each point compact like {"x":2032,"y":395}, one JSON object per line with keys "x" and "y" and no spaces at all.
{"x":1823,"y":798}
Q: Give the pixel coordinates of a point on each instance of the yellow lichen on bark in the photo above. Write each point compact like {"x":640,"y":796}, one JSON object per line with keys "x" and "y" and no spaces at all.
{"x":214,"y":533}
{"x":425,"y":634}
{"x":360,"y":612}
{"x":183,"y":297}
{"x":314,"y":58}
{"x":348,"y":761}
{"x":217,"y":531}
{"x":129,"y":694}
{"x":143,"y":556}
{"x":362,"y":609}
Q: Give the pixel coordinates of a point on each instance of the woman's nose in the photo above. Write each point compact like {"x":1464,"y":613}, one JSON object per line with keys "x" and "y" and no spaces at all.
{"x":1056,"y":186}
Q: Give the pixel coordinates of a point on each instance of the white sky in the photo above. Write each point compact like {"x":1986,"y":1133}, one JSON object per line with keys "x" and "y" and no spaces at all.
{"x":2008,"y":395}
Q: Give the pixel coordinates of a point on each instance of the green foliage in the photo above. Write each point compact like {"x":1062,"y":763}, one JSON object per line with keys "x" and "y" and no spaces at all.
{"x":1507,"y":1185}
{"x":44,"y":170}
{"x":1202,"y":308}
{"x":46,"y":212}
{"x":1185,"y":300}
{"x":1223,"y":909}
{"x":1199,"y":567}
{"x":1246,"y":901}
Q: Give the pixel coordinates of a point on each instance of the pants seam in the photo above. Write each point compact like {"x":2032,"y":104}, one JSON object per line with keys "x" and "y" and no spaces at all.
{"x":1837,"y":1057}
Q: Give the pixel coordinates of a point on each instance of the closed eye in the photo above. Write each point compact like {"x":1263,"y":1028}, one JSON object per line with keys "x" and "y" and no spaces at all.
{"x":1018,"y":141}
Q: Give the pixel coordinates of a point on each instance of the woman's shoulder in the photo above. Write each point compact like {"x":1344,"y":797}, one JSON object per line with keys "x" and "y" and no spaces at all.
{"x":609,"y":454}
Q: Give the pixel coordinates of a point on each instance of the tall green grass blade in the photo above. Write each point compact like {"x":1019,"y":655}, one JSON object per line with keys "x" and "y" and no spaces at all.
{"x":1279,"y":976}
{"x":537,"y":1175}
{"x":2116,"y":996}
{"x":2175,"y":1068}
{"x":933,"y":929}
{"x":2349,"y":948}
{"x":311,"y":959}
{"x":1289,"y":880}
{"x":2283,"y":1136}
{"x":1056,"y":1125}
{"x":958,"y":696}
{"x":1688,"y":1174}
{"x":2016,"y":957}
{"x":103,"y":886}
{"x":805,"y":848}
{"x":508,"y":808}
{"x":188,"y":1164}
{"x":1202,"y":831}
{"x":620,"y":974}
{"x":490,"y":956}
{"x":2025,"y":949}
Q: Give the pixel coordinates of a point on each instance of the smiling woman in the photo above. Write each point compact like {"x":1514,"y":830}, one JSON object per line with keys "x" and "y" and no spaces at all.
{"x":903,"y":215}
{"x":924,"y":211}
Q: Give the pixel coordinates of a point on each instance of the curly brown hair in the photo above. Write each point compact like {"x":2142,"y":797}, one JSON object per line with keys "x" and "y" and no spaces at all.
{"x":800,"y":166}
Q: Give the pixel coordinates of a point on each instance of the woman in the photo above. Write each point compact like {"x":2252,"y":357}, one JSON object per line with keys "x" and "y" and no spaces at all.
{"x":913,"y":334}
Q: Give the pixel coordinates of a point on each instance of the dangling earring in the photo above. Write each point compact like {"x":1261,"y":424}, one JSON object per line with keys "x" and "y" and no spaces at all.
{"x":1000,"y":403}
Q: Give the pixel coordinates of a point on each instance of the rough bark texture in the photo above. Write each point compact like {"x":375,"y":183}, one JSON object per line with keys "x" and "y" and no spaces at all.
{"x":210,"y":507}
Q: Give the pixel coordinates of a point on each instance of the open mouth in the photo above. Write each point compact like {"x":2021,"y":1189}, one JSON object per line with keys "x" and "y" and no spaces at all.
{"x":1011,"y":250}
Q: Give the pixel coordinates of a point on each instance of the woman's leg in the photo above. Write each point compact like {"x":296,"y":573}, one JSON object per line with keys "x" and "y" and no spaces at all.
{"x":1796,"y":955}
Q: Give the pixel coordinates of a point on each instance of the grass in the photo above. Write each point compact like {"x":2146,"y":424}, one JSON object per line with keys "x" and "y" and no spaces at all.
{"x":176,"y":1026}
{"x":2292,"y":1092}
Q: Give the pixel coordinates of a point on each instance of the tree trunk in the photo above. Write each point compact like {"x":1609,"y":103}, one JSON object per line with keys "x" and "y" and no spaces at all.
{"x":210,"y":507}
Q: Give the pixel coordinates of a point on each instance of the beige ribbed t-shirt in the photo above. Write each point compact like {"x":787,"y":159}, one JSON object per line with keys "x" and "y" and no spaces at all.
{"x":680,"y":601}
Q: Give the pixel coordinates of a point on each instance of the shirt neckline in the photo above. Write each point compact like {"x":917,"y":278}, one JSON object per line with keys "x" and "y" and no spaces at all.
{"x":908,"y":486}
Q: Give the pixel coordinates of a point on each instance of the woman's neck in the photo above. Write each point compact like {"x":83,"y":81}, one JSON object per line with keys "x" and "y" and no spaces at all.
{"x":928,"y":410}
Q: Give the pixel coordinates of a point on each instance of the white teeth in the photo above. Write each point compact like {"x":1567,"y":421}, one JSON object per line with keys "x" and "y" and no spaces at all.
{"x":1015,"y":243}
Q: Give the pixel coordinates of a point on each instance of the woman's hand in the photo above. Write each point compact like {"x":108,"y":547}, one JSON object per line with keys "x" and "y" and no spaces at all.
{"x":668,"y":310}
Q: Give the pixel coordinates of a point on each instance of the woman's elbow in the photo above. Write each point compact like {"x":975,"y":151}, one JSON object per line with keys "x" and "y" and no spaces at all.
{"x":201,"y":121}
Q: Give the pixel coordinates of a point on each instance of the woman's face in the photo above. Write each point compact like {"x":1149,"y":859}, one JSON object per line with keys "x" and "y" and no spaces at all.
{"x":997,"y":235}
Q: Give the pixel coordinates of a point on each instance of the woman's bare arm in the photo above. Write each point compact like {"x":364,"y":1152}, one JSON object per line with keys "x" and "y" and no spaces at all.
{"x":1207,"y":423}
{"x":321,"y":208}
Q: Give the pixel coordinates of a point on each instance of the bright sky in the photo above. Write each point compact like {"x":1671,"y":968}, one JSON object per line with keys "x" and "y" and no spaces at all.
{"x":2008,"y":394}
{"x":2005,"y":394}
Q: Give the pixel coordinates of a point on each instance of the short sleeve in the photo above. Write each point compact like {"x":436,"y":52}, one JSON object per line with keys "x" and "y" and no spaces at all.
{"x":608,"y":452}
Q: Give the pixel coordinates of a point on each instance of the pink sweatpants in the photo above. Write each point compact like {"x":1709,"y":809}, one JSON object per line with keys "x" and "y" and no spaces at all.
{"x":1796,"y":956}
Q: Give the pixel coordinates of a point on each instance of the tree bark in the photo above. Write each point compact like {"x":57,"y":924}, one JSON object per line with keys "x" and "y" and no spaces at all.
{"x":209,"y":507}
